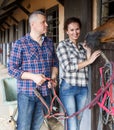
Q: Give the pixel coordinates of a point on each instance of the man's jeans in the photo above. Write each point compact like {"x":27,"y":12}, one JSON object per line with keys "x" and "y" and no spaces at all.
{"x":73,"y":99}
{"x":30,"y":112}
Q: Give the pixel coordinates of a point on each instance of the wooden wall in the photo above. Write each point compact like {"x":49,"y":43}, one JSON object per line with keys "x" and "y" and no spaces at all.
{"x":81,"y":9}
{"x":108,"y":49}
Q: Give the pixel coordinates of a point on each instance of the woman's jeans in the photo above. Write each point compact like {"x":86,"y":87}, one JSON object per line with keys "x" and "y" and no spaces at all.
{"x":73,"y":99}
{"x":30,"y":112}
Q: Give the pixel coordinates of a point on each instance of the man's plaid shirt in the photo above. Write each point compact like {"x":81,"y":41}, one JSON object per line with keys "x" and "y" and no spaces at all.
{"x":69,"y":56}
{"x":28,"y":56}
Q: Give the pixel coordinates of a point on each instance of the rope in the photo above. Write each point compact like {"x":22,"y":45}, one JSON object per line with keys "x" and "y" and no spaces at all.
{"x":95,"y":101}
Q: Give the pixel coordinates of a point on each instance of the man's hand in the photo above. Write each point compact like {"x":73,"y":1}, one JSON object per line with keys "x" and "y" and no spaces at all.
{"x":39,"y":79}
{"x":52,"y":83}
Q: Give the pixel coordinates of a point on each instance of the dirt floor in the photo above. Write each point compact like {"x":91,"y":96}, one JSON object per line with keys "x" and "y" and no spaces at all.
{"x":5,"y":125}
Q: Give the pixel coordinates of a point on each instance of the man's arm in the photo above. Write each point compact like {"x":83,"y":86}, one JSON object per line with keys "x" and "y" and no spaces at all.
{"x":39,"y":79}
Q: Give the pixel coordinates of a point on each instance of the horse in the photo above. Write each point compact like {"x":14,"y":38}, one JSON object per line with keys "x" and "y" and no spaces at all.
{"x":101,"y":34}
{"x":104,"y":34}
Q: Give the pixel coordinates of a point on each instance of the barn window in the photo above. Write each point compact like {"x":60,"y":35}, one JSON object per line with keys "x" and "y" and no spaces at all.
{"x":52,"y":20}
{"x":107,"y":10}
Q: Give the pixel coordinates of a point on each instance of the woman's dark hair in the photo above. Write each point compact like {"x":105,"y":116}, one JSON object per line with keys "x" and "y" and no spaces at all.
{"x":71,"y":20}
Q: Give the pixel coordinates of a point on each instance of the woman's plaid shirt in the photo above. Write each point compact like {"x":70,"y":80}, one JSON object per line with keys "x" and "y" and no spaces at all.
{"x":69,"y":57}
{"x":28,"y":56}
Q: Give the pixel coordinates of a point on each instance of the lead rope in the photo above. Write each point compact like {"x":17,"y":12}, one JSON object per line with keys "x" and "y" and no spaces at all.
{"x":95,"y":101}
{"x":107,"y":99}
{"x":49,"y":112}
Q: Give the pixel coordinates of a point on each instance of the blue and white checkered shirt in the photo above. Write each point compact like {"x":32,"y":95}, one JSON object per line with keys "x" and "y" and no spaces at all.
{"x":69,"y":57}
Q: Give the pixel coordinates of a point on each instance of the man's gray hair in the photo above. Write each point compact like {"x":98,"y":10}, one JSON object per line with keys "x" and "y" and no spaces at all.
{"x":34,"y":14}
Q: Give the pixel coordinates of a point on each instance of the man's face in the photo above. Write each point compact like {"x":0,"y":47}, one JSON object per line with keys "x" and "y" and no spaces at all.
{"x":40,"y":25}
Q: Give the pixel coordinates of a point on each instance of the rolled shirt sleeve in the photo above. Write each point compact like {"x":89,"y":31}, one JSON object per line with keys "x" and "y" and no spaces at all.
{"x":15,"y":61}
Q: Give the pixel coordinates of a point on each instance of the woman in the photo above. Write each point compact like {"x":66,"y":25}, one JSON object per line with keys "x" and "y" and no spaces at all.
{"x":74,"y":59}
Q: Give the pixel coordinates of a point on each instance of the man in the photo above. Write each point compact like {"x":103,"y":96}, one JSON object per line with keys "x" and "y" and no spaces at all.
{"x":32,"y":60}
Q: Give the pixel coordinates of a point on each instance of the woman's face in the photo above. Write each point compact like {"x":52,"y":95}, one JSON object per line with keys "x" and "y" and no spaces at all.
{"x":73,"y":31}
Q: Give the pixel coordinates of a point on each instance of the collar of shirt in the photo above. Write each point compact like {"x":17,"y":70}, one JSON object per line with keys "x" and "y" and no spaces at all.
{"x":29,"y":37}
{"x":70,"y":43}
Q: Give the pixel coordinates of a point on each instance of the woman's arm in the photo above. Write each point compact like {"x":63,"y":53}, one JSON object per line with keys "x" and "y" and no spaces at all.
{"x":90,"y":59}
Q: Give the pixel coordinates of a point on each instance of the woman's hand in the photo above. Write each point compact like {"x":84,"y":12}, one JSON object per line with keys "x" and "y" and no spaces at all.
{"x":94,"y":56}
{"x":90,"y":60}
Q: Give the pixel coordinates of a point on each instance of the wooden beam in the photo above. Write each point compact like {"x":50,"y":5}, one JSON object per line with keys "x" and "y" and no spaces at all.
{"x":8,"y":12}
{"x":6,"y":24}
{"x":22,"y":8}
{"x":14,"y":19}
{"x":1,"y":1}
{"x":3,"y":27}
{"x":61,"y":1}
{"x":6,"y":6}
